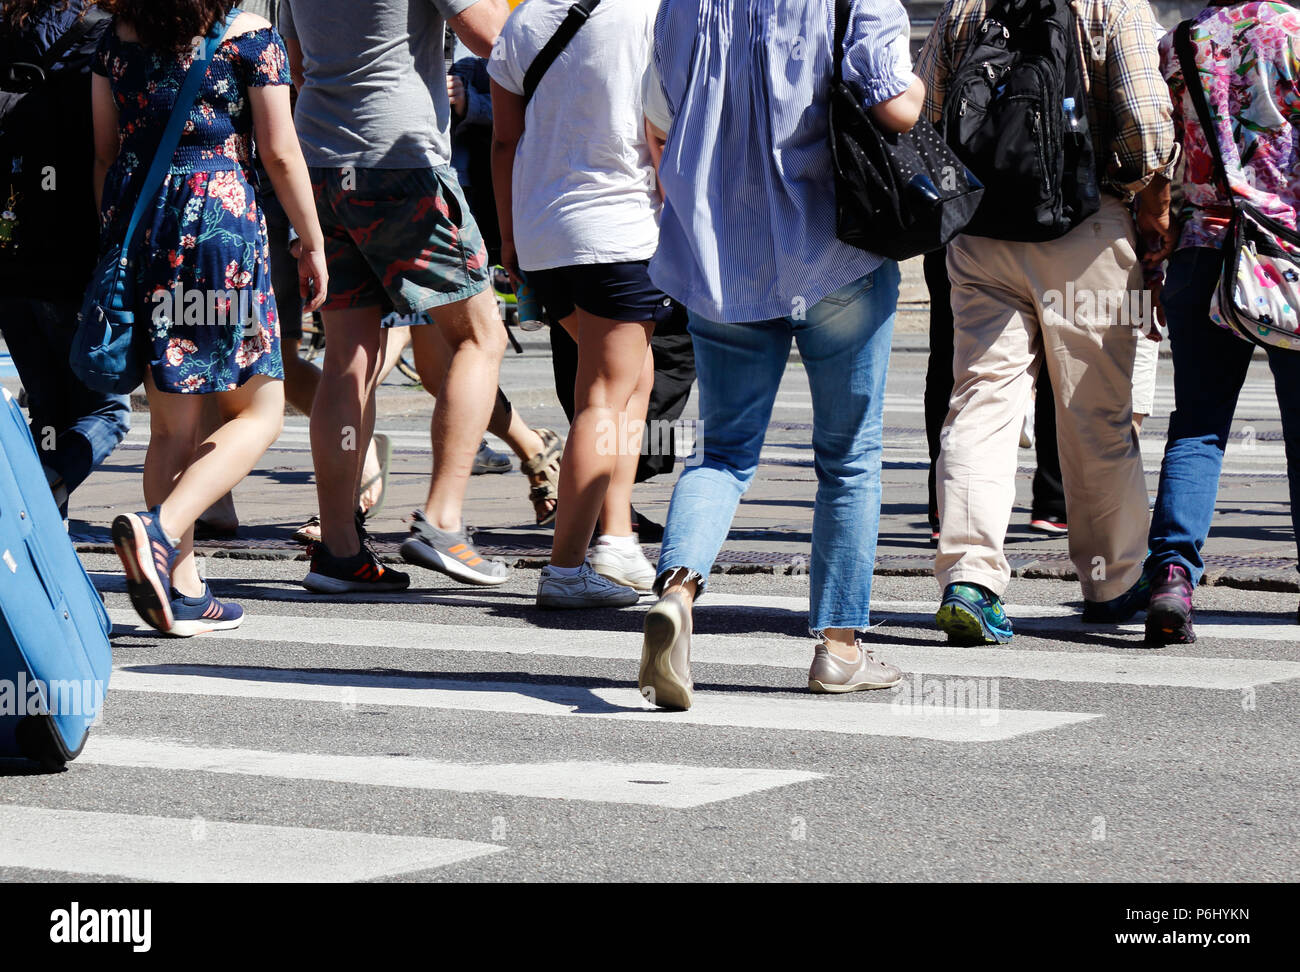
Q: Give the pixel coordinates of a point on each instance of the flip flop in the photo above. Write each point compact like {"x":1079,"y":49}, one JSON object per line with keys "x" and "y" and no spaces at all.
{"x":384,"y":450}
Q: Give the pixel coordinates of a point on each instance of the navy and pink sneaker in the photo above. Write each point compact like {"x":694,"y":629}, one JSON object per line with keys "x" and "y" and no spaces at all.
{"x":198,"y":615}
{"x":147,"y":556}
{"x":1170,"y":614}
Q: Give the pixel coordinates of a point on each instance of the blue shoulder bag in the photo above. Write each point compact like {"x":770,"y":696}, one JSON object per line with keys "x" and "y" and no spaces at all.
{"x":106,"y":354}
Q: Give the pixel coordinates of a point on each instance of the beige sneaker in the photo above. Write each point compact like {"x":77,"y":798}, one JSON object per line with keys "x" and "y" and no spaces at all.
{"x":665,"y":678}
{"x":830,"y":673}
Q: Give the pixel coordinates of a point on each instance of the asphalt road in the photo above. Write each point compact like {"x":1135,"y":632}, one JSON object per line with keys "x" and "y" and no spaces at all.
{"x":460,"y":716}
{"x":460,"y":735}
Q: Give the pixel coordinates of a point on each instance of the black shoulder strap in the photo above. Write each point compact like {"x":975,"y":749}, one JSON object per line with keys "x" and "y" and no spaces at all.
{"x":1186,"y":52}
{"x":577,"y":16}
{"x":25,"y":76}
{"x":842,"y":15}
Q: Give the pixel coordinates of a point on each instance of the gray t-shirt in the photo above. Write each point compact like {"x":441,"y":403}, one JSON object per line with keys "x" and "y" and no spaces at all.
{"x":375,"y":94}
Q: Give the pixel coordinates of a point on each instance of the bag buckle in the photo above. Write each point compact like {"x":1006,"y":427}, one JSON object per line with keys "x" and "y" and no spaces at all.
{"x":22,"y":77}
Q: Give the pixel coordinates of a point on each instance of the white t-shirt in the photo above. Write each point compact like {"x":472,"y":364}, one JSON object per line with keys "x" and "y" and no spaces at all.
{"x":584,"y":184}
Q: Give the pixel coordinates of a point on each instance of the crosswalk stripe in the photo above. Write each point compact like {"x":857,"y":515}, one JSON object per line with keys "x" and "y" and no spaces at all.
{"x":1105,"y":668}
{"x":810,"y":714}
{"x":650,"y":784}
{"x":148,"y":848}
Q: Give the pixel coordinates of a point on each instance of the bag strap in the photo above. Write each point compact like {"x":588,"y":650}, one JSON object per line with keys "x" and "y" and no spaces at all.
{"x":1186,"y":52}
{"x":842,"y":15}
{"x":25,"y":76}
{"x":171,"y":137}
{"x":578,"y":15}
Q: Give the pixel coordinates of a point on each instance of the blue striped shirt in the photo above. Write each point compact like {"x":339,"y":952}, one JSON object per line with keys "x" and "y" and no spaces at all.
{"x":748,"y":230}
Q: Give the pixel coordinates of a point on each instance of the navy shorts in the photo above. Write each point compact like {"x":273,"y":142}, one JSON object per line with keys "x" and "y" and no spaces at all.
{"x":617,"y":291}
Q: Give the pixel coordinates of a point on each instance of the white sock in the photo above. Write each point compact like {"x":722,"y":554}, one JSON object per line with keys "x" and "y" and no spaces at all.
{"x":627,"y":543}
{"x":565,"y":571}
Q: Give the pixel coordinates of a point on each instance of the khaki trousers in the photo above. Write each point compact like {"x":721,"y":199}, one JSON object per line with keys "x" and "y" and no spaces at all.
{"x":1069,"y":303}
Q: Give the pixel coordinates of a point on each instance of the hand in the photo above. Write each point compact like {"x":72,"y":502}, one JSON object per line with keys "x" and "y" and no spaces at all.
{"x":1159,"y":326}
{"x":510,"y":260}
{"x":295,"y":248}
{"x":456,"y":95}
{"x":1155,"y":228}
{"x":313,"y":278}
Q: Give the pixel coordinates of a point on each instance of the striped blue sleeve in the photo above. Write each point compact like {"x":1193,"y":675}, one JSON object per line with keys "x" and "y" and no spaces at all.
{"x":876,"y":58}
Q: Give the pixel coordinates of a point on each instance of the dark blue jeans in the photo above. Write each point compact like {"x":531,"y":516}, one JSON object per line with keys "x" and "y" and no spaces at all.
{"x":75,"y":428}
{"x":1209,"y":369}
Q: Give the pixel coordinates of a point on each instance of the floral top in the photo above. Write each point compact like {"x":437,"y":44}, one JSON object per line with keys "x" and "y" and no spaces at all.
{"x":1248,"y":56}
{"x":219,"y":133}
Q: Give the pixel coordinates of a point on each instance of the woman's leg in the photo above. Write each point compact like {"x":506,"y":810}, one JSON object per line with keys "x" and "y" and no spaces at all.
{"x":611,"y":359}
{"x":616,"y":511}
{"x":1285,"y":366}
{"x":1209,"y":368}
{"x":844,"y":344}
{"x":174,"y":430}
{"x":253,"y":415}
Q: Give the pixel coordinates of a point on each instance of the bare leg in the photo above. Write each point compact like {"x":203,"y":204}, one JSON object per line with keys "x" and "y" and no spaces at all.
{"x":253,"y":416}
{"x":473,"y":330}
{"x":505,"y":423}
{"x":616,"y":511}
{"x":341,"y":418}
{"x":611,"y":360}
{"x":221,"y":515}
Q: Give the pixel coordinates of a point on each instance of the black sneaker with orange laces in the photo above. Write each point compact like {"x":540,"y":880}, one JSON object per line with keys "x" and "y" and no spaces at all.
{"x":351,"y":575}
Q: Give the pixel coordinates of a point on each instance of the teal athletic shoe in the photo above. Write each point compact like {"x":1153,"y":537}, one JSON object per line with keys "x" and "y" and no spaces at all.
{"x":972,"y":615}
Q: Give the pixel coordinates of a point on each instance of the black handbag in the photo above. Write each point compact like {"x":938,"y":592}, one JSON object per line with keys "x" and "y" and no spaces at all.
{"x":896,"y":194}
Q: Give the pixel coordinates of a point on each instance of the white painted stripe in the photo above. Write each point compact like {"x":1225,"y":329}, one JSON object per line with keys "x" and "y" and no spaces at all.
{"x":651,"y":784}
{"x":147,"y":848}
{"x":1120,"y":667}
{"x":810,"y":714}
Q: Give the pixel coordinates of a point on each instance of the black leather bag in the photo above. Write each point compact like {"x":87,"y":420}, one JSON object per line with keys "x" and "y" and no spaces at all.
{"x":897,"y":194}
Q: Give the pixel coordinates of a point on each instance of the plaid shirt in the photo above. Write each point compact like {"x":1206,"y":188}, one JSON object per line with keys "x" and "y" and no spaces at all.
{"x":1129,"y":109}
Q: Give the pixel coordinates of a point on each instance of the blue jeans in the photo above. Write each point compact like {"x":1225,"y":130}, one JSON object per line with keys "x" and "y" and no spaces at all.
{"x":844,"y":342}
{"x":1209,"y":369}
{"x":75,"y":428}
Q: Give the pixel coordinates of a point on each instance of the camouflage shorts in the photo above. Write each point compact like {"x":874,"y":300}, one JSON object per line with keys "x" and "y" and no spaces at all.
{"x":403,"y":237}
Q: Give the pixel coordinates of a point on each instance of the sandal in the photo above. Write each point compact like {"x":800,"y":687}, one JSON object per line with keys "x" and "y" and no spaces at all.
{"x":543,"y":472}
{"x":309,"y":532}
{"x":384,"y":451}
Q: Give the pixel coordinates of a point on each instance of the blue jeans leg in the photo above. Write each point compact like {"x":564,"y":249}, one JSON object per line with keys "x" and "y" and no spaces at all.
{"x":1285,"y":366}
{"x":1210,"y":367}
{"x":75,"y":428}
{"x":739,"y":367}
{"x":844,"y":344}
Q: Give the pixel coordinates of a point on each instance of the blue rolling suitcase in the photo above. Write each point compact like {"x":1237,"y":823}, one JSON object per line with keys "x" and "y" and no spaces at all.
{"x":55,"y":658}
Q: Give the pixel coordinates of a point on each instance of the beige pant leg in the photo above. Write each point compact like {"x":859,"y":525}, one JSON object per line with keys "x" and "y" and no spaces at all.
{"x":995,"y":342}
{"x":1087,"y":280}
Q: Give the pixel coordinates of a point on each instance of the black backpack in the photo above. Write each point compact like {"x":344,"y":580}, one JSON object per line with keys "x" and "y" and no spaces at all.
{"x":1017,"y":114}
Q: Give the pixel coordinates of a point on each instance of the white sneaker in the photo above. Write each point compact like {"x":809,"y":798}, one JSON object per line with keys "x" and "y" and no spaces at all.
{"x":585,"y":589}
{"x":628,"y":567}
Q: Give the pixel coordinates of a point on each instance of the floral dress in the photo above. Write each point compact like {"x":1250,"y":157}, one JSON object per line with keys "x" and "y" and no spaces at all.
{"x":204,"y":284}
{"x":1248,"y":58}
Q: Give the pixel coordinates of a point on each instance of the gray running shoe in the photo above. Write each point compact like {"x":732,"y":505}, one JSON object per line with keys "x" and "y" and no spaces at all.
{"x":665,"y":677}
{"x":452,"y":554}
{"x":830,"y":673}
{"x":585,"y":589}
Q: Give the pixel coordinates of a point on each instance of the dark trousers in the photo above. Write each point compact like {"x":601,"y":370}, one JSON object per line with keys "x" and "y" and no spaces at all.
{"x":75,"y":428}
{"x":1048,"y":490}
